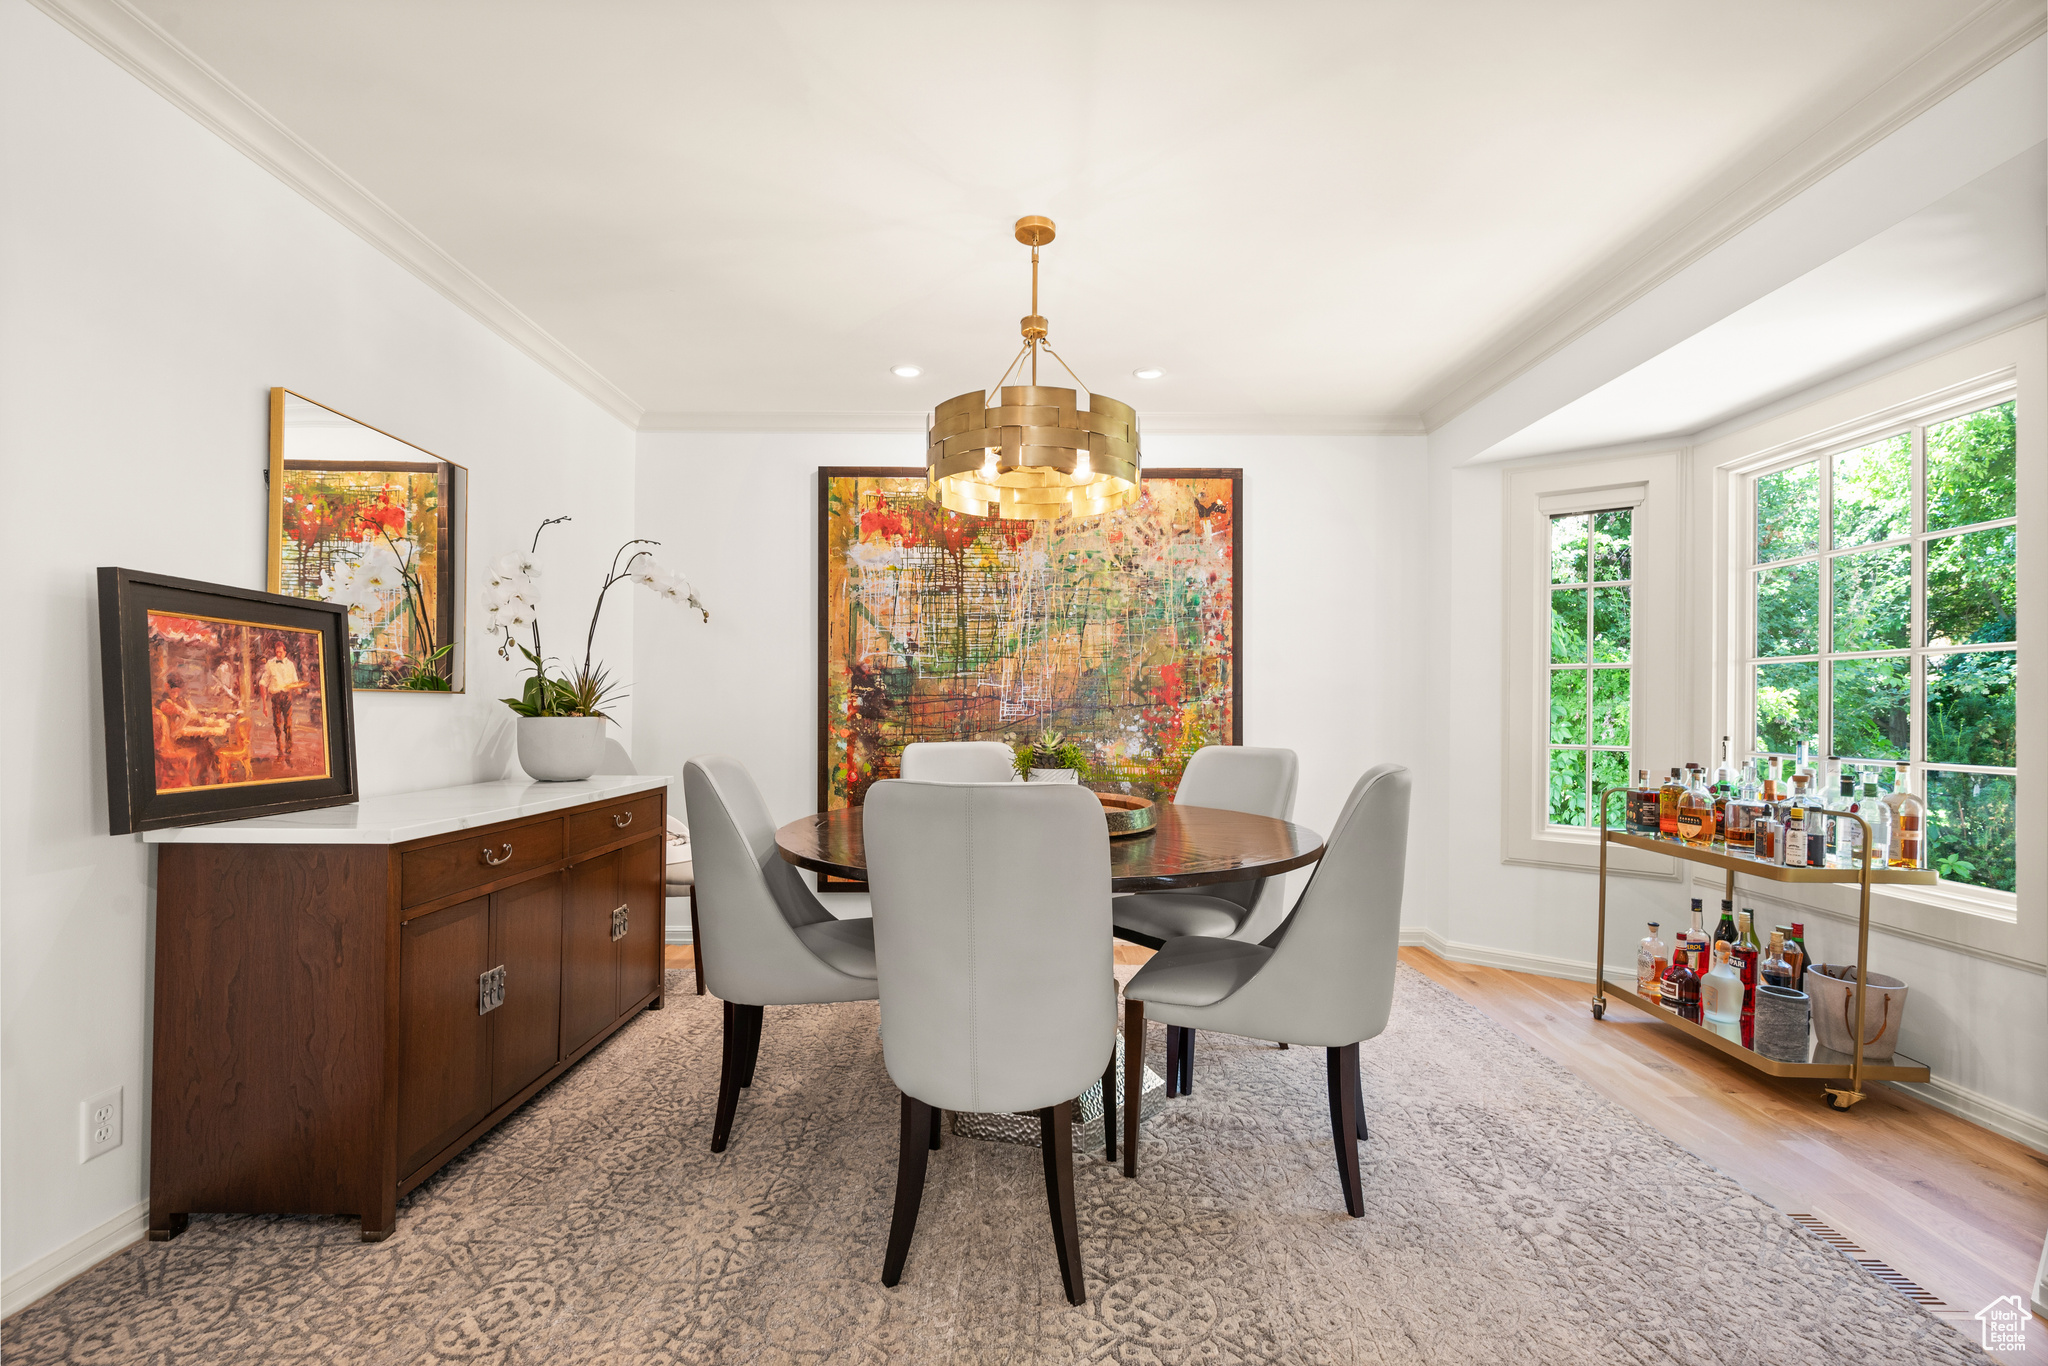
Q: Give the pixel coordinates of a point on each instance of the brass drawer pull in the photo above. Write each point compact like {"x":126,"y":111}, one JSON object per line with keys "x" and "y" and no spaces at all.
{"x":504,"y":855}
{"x":621,"y":819}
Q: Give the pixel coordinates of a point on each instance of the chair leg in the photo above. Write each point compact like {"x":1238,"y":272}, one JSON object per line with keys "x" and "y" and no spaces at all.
{"x":1056,"y":1139}
{"x":938,"y":1118}
{"x":1343,"y":1064}
{"x":696,"y":941}
{"x":1134,"y":1079}
{"x":1172,"y":1061}
{"x":1358,"y":1096}
{"x":752,"y":1055}
{"x":1187,"y":1062}
{"x":728,"y":1077}
{"x":910,"y":1163}
{"x":1283,"y":1045}
{"x":1109,"y":1108}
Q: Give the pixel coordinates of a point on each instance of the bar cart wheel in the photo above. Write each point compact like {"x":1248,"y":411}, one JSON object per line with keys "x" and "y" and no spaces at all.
{"x":1599,"y":1009}
{"x":1841,"y":1100}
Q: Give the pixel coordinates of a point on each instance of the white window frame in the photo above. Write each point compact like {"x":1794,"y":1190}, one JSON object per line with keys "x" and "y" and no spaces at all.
{"x":2013,"y":365}
{"x":1982,"y":900}
{"x":1653,"y":487}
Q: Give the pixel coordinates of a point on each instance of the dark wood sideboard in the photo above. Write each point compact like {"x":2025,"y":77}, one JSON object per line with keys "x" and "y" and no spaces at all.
{"x":337,"y":1020}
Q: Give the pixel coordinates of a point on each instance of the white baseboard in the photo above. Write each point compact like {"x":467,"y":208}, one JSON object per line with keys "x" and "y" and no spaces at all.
{"x":1986,"y":1113}
{"x":676,"y":934}
{"x":81,"y":1254}
{"x":1982,"y":1111}
{"x":1539,"y":964}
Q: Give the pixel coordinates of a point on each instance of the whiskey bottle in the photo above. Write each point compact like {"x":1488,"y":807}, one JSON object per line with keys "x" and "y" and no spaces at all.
{"x":1696,"y":811}
{"x":1667,"y":985}
{"x":1794,"y":837}
{"x":1880,"y":817}
{"x":1667,"y":805}
{"x":1797,"y":954}
{"x":1652,"y":957}
{"x":1909,"y":822}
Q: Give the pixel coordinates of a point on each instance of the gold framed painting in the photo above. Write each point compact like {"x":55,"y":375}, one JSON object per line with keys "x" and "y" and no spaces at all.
{"x":361,"y":518}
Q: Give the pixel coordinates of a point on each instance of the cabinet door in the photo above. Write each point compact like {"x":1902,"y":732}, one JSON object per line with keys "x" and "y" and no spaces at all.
{"x":444,"y":1056}
{"x":590,"y":960}
{"x":642,"y":877}
{"x":526,"y":938}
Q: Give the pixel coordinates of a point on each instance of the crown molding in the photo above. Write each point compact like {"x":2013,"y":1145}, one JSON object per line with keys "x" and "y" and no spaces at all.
{"x":1772,"y":175}
{"x":159,"y":61}
{"x":1152,"y":423}
{"x":887,"y":420}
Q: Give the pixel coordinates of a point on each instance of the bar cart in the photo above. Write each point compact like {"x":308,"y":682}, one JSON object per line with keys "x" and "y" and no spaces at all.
{"x":1822,"y":1064}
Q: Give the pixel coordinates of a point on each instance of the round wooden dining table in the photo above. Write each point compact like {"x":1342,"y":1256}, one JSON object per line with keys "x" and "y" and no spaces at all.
{"x":1191,"y":846}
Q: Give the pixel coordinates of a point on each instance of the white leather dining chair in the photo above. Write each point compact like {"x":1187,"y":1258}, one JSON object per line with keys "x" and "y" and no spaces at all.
{"x":1324,"y":979}
{"x":959,"y":761}
{"x":1246,"y":778}
{"x":993,"y":953}
{"x":771,"y":943}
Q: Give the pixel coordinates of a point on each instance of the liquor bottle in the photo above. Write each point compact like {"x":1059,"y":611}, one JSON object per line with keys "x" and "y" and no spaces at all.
{"x":1774,"y":780}
{"x":1652,"y":957}
{"x":1794,"y":836}
{"x":1688,"y":986}
{"x":1746,"y":954}
{"x":1667,"y":805}
{"x":1721,"y":994}
{"x":1794,"y":955}
{"x":1802,"y":763}
{"x":1635,"y":801}
{"x":1795,"y":944}
{"x":1724,"y":792}
{"x":1773,"y":969}
{"x":1766,"y":846}
{"x":1646,"y":805}
{"x":1847,"y":844}
{"x":1667,"y":986}
{"x":1909,"y":823}
{"x":1725,"y":931}
{"x":1696,"y":811}
{"x":1880,"y":817}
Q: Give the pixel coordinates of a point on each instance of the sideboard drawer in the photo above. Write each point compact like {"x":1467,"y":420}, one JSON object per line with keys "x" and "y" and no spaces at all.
{"x":614,"y":821}
{"x":478,"y":857}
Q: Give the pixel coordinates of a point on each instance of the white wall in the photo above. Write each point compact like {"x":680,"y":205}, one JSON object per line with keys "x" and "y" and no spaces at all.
{"x":1335,"y":571}
{"x":156,"y":284}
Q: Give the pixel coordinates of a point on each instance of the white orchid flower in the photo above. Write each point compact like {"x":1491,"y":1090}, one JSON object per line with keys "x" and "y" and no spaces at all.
{"x":518,"y":565}
{"x":516,"y":618}
{"x":648,"y":573}
{"x":380,"y":576}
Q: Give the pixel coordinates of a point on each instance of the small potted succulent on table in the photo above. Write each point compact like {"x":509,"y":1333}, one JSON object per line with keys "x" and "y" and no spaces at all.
{"x":562,"y":713}
{"x":1052,"y":759}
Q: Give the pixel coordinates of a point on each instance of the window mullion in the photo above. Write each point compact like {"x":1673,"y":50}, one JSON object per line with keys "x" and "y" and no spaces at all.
{"x":1824,"y":684}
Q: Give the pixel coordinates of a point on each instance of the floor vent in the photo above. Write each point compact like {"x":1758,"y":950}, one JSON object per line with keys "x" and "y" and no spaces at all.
{"x":1905,"y":1285}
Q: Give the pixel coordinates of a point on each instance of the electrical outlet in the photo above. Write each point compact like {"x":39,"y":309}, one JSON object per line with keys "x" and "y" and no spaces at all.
{"x":99,"y":1124}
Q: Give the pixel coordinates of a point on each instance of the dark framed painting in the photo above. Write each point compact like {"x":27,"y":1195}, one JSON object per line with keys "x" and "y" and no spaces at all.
{"x":1121,"y":633}
{"x":221,"y":703}
{"x":364,"y":519}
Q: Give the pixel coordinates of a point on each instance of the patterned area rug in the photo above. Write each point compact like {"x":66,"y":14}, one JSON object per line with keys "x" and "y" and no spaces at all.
{"x":1512,"y":1216}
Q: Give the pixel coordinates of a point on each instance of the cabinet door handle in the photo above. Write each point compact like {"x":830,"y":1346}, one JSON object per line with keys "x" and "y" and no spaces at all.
{"x":620,"y":916}
{"x":621,"y":819}
{"x":504,"y":853}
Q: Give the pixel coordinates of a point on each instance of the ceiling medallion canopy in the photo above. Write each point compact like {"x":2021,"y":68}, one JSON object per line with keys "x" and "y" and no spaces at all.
{"x":1020,"y":451}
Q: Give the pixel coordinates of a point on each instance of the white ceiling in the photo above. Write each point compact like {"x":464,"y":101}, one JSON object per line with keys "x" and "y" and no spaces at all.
{"x":1979,"y":252}
{"x":1296,"y":209}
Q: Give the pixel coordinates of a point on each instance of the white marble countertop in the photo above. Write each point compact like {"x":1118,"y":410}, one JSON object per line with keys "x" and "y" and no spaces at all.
{"x":411,"y":815}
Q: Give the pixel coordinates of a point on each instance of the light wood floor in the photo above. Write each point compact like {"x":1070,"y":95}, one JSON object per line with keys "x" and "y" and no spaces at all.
{"x":1955,"y":1208}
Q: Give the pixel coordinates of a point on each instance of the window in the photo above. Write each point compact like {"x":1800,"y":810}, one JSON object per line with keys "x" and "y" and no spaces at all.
{"x":1591,"y":601}
{"x":1884,"y":602}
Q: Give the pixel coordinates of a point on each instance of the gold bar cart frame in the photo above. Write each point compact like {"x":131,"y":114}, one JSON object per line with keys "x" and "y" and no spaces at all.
{"x":1855,"y":1072}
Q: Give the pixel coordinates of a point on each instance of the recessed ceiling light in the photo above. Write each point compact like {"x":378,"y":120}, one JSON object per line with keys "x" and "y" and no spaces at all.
{"x":906,"y":371}
{"x":1149,"y":372}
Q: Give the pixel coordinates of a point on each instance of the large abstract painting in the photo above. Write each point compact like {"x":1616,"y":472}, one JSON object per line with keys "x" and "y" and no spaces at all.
{"x":1119,"y":633}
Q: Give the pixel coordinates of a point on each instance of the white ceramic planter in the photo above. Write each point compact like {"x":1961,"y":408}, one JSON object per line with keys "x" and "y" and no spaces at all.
{"x":1055,"y":775}
{"x":561,"y":749}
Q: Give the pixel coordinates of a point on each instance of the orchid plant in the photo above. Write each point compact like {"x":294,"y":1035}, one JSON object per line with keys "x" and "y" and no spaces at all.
{"x":509,"y":611}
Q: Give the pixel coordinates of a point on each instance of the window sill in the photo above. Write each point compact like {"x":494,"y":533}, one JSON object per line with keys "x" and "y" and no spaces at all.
{"x":1578,"y":850}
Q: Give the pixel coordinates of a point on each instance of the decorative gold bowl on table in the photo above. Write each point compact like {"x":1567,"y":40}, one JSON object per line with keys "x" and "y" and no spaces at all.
{"x":1129,"y":807}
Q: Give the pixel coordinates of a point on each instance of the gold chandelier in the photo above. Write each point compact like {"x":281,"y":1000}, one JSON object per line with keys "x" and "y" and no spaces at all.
{"x":1031,"y":452}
